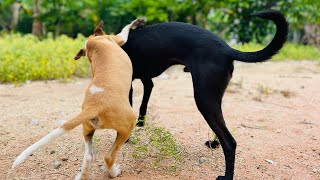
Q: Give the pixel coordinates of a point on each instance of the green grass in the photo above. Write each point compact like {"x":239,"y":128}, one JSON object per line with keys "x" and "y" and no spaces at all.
{"x":158,"y":146}
{"x":25,"y":57}
{"x":290,"y":51}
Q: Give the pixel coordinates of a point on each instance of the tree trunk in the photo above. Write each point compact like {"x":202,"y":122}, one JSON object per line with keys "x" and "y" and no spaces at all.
{"x":37,"y":26}
{"x":14,"y":15}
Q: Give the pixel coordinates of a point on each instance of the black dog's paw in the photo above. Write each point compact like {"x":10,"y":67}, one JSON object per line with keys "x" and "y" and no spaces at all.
{"x":140,"y":124}
{"x":138,"y":23}
{"x":221,"y":178}
{"x":212,"y":144}
{"x":141,"y":120}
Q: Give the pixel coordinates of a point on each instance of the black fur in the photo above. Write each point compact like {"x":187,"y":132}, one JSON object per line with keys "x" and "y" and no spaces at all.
{"x":154,"y":48}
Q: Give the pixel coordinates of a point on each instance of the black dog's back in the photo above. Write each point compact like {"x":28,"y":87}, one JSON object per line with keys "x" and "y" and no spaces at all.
{"x":162,"y":45}
{"x":172,"y":40}
{"x":171,"y":43}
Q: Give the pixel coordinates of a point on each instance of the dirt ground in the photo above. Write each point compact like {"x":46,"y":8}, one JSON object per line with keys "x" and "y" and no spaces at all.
{"x":271,"y":108}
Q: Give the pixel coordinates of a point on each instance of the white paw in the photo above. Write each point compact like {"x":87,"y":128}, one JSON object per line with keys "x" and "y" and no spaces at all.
{"x":78,"y":176}
{"x":114,"y":171}
{"x":81,"y":176}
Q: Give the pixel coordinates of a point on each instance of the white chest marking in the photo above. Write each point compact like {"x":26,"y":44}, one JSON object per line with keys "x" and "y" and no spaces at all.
{"x":95,"y":89}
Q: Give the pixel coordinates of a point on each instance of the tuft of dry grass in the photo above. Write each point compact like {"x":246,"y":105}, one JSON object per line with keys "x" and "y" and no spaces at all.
{"x":264,"y":90}
{"x":287,"y":93}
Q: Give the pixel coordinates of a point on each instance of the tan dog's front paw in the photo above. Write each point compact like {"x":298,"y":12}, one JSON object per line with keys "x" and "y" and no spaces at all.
{"x":138,"y":23}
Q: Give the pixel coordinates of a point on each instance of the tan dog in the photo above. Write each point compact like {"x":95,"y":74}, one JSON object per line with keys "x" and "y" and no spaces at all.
{"x":106,"y":103}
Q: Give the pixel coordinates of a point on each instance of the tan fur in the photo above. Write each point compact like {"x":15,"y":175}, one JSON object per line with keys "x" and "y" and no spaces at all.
{"x":106,"y":103}
{"x":112,"y":71}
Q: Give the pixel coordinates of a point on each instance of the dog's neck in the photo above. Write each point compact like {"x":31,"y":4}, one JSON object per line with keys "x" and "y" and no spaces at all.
{"x":97,"y":68}
{"x":100,"y":64}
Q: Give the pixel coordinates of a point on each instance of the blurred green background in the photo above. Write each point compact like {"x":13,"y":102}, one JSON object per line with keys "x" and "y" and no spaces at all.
{"x":227,"y":18}
{"x":58,"y":28}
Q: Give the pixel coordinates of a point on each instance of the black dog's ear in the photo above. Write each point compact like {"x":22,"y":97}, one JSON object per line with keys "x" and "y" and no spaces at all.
{"x":81,"y":52}
{"x":98,"y":30}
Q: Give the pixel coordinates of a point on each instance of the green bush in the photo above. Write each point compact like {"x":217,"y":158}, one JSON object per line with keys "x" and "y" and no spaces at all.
{"x":25,"y":57}
{"x":28,"y":58}
{"x":290,"y":51}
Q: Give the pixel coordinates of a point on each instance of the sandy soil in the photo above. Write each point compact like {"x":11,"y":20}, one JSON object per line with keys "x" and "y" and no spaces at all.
{"x":272,"y":110}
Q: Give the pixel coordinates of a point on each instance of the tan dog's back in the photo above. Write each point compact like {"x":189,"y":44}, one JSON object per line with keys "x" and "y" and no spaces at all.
{"x":112,"y":75}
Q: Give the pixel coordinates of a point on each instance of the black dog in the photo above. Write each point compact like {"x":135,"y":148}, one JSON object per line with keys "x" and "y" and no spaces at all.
{"x":154,"y":48}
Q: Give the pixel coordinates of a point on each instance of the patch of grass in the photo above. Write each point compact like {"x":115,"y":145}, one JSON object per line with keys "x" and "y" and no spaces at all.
{"x":264,"y":90}
{"x":290,"y":51}
{"x":95,"y":141}
{"x":257,"y":98}
{"x":26,"y":57}
{"x":233,"y":87}
{"x":287,"y":93}
{"x":157,"y":145}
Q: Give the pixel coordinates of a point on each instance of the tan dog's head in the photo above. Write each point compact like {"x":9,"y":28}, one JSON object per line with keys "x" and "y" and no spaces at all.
{"x":98,"y":31}
{"x":119,"y":39}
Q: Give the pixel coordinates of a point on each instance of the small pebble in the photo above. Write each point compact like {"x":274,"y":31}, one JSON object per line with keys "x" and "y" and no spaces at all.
{"x":56,"y":164}
{"x":52,"y":151}
{"x":202,"y":160}
{"x":102,"y":168}
{"x":269,"y":161}
{"x":34,"y":122}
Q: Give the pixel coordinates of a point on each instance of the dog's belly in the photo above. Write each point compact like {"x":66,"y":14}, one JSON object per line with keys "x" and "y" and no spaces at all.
{"x":150,"y":68}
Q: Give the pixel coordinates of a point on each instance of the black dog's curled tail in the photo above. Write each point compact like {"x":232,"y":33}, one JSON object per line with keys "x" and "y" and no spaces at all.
{"x":275,"y":45}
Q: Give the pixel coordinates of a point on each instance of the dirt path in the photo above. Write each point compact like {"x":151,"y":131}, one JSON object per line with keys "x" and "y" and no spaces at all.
{"x":271,"y":108}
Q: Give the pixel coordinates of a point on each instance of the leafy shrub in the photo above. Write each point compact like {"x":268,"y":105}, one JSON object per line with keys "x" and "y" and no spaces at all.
{"x":28,"y":58}
{"x":25,"y":57}
{"x":290,"y":51}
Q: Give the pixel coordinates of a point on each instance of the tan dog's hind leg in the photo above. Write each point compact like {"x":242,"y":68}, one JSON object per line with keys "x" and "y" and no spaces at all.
{"x":114,"y":170}
{"x":84,"y":115}
{"x":84,"y":174}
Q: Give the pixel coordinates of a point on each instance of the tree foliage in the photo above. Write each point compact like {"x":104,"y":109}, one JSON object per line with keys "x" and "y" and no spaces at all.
{"x":228,"y":18}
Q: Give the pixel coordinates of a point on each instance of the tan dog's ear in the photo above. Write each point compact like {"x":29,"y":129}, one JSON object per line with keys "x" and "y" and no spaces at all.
{"x":98,"y":30}
{"x":81,"y":52}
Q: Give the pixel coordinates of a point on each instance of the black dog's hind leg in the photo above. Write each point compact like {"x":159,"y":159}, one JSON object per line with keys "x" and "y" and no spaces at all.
{"x":147,"y":89}
{"x":209,"y":83}
{"x":130,"y":100}
{"x":130,"y":95}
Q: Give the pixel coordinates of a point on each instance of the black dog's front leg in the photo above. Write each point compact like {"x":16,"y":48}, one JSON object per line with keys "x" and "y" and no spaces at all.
{"x":147,"y":89}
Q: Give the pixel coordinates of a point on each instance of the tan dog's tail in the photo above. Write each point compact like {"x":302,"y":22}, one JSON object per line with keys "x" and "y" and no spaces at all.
{"x":85,"y":115}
